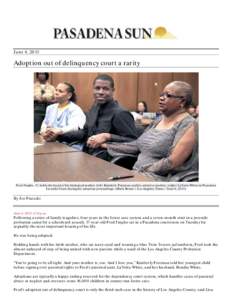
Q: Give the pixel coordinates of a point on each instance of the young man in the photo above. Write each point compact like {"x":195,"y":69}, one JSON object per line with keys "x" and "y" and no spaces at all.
{"x":106,"y":121}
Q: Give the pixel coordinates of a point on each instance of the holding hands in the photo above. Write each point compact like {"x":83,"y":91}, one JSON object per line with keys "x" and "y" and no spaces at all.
{"x":95,"y":141}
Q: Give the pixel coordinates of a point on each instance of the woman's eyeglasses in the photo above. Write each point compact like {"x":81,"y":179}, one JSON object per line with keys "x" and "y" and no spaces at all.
{"x":167,"y":95}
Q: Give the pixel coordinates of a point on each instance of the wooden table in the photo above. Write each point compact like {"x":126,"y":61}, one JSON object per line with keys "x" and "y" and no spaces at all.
{"x":54,"y":161}
{"x":78,"y":166}
{"x":43,"y":147}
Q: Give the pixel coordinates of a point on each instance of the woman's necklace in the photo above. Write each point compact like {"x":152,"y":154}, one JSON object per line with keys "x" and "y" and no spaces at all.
{"x":61,"y":108}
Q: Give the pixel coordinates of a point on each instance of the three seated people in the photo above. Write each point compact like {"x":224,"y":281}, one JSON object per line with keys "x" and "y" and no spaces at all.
{"x":167,"y":150}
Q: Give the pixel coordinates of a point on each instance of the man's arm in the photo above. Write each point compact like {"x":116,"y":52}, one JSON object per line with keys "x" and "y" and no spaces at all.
{"x":73,"y":136}
{"x":124,"y":127}
{"x":124,"y":131}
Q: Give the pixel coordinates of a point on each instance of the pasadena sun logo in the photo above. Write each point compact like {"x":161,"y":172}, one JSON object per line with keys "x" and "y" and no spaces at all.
{"x":162,"y":33}
{"x":112,"y":33}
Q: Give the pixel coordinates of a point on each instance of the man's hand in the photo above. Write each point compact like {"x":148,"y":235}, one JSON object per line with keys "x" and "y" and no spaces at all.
{"x":95,"y":141}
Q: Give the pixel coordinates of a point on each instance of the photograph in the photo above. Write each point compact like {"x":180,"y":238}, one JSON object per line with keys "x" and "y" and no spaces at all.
{"x":122,"y":126}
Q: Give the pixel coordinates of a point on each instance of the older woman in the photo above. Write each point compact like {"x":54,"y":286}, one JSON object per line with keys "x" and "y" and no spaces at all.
{"x":169,"y":146}
{"x":63,"y":116}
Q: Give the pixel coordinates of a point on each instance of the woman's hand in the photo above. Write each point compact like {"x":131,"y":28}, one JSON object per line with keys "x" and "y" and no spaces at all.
{"x":51,"y":134}
{"x":104,"y":146}
{"x":95,"y":141}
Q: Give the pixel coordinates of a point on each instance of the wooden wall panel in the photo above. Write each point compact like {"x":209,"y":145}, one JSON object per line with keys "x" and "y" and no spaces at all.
{"x":130,"y":88}
{"x":82,"y":83}
{"x":126,"y":89}
{"x":150,"y":85}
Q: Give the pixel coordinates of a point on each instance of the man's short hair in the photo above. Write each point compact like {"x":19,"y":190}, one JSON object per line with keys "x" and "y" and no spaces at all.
{"x":105,"y":77}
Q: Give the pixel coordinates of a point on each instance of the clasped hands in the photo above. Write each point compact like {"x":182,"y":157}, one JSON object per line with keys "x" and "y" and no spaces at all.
{"x":98,"y":140}
{"x":50,"y":134}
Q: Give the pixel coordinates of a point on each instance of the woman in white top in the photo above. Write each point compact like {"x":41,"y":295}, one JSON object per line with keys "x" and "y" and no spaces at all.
{"x":63,"y":116}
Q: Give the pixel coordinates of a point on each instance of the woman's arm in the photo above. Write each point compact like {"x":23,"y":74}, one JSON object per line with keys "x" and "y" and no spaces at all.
{"x":179,"y":154}
{"x":75,"y":121}
{"x":183,"y":148}
{"x":117,"y":149}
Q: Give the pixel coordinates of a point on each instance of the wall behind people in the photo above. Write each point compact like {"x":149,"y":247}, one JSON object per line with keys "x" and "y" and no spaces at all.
{"x":150,"y":86}
{"x":83,"y":85}
{"x":130,"y":88}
